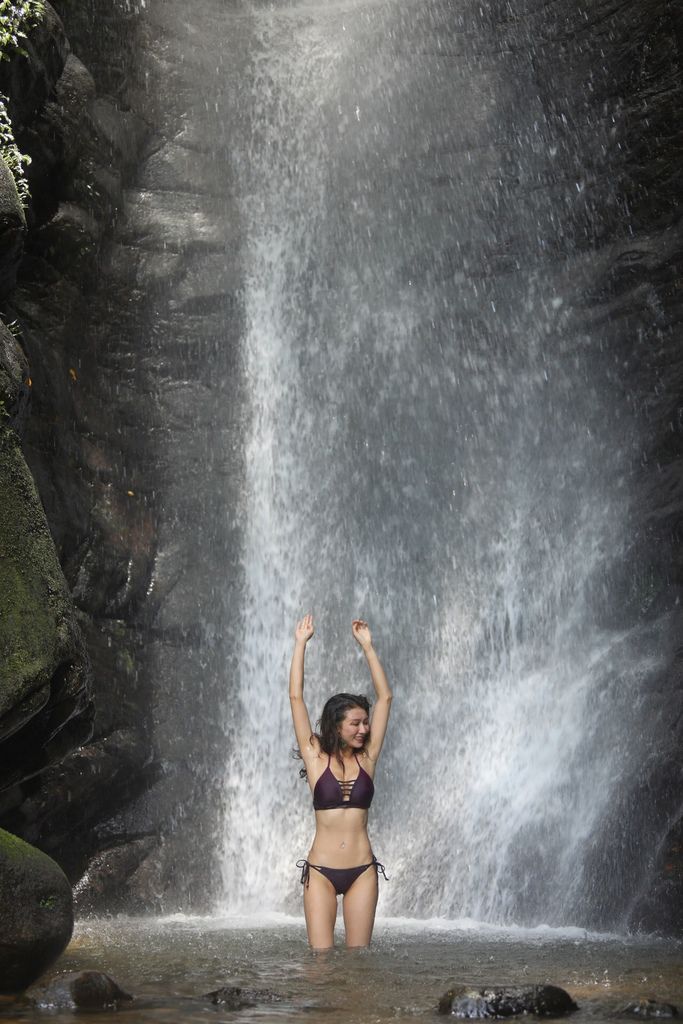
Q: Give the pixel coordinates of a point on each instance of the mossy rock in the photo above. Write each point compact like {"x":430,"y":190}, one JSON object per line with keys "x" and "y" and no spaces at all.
{"x":36,"y":910}
{"x":12,"y":229}
{"x":14,"y":380}
{"x":39,"y":637}
{"x":30,"y":74}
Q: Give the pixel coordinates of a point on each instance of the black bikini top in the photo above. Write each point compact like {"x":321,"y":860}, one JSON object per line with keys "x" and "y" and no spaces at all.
{"x":329,"y":792}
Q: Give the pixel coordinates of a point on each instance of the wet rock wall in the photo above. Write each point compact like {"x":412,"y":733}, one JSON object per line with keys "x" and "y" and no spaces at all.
{"x":123,"y":445}
{"x":635,"y":304}
{"x":50,"y":793}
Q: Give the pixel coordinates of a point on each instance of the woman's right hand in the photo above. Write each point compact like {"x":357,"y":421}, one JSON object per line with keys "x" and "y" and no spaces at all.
{"x":304,"y":629}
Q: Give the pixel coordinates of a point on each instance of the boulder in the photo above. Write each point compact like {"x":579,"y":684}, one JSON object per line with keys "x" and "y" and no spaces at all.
{"x":12,"y":229}
{"x":82,"y":990}
{"x":540,"y":1000}
{"x":36,"y":912}
{"x":14,"y":381}
{"x":103,"y":885}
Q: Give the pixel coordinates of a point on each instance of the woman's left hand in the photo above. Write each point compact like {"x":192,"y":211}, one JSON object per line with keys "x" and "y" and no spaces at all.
{"x":361,"y":633}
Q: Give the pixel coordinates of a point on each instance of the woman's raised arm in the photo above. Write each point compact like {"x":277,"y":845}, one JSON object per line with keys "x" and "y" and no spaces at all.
{"x":302,"y":723}
{"x":383,"y":694}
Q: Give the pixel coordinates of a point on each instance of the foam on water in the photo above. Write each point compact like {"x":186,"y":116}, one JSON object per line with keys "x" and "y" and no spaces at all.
{"x":265,"y":920}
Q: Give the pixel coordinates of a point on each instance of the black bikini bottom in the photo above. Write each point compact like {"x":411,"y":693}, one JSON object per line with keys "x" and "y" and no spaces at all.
{"x":341,"y":878}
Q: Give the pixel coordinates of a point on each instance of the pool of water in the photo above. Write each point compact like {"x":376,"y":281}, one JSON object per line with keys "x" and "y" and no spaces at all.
{"x":169,"y":964}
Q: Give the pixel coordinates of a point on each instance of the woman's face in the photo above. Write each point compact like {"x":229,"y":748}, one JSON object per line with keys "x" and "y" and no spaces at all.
{"x":355,"y":728}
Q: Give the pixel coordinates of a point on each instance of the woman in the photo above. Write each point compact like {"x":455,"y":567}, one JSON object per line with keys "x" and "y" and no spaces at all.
{"x":340,"y":765}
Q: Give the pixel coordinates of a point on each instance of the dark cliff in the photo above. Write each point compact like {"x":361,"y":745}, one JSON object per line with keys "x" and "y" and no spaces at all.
{"x":112,"y":375}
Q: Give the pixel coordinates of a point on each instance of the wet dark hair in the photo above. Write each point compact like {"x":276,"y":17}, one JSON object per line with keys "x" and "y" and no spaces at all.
{"x":333,"y":715}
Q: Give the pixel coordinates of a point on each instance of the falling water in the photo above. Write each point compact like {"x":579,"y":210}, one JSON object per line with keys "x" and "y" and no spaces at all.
{"x":436,"y":444}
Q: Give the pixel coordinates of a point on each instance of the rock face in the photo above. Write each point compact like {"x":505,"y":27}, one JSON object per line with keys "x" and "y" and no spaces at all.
{"x":43,"y":677}
{"x":79,"y":580}
{"x":44,"y":702}
{"x":12,"y":229}
{"x":36,"y":913}
{"x":540,"y":1000}
{"x":45,"y":706}
{"x":119,"y":295}
{"x":136,"y":526}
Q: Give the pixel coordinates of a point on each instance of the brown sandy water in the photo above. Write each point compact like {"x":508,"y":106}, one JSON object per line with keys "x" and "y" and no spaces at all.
{"x":168,"y":964}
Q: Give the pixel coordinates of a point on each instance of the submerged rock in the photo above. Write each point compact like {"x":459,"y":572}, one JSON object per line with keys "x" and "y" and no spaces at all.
{"x":36,"y":912}
{"x":648,"y":1009}
{"x":84,"y":990}
{"x":541,"y":1000}
{"x":231,"y":997}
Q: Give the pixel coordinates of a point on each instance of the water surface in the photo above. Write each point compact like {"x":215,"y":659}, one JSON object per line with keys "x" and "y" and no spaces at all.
{"x":168,"y":964}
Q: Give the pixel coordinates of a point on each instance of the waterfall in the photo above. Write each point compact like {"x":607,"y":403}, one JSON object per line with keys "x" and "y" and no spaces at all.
{"x":436,"y":443}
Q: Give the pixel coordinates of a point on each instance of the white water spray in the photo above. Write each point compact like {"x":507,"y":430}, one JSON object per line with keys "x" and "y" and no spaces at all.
{"x":430,"y":448}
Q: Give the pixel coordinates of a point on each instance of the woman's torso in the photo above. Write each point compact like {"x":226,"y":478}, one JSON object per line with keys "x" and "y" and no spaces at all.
{"x":341,"y":837}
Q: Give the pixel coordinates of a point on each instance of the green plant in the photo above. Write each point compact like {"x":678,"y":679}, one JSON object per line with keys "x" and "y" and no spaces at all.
{"x":10,"y":153}
{"x":17,"y":17}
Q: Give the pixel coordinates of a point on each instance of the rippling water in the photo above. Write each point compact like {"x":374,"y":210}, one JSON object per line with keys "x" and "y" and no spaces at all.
{"x":167,"y":964}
